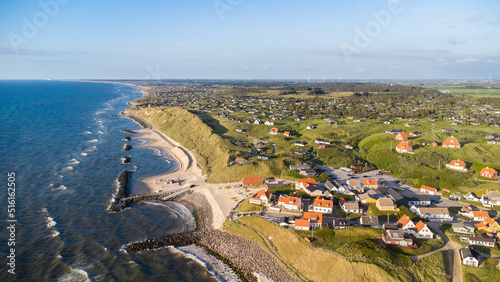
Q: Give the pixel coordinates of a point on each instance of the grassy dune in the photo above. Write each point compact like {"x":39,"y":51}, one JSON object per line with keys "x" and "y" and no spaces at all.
{"x":212,"y":150}
{"x":318,"y":264}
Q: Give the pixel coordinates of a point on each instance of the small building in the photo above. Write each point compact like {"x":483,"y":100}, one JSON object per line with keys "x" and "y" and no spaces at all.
{"x":302,"y":224}
{"x":307,"y":172}
{"x":404,"y":147}
{"x":340,"y":223}
{"x":488,"y":225}
{"x":461,"y":227}
{"x":322,"y":205}
{"x":274,"y":131}
{"x":405,"y":224}
{"x":422,"y":231}
{"x":402,"y":136}
{"x":451,"y":142}
{"x":268,"y":122}
{"x":352,"y":207}
{"x":369,"y":221}
{"x":457,"y":165}
{"x":428,"y":190}
{"x":434,"y":144}
{"x":432,"y":213}
{"x":304,"y":182}
{"x":470,"y":257}
{"x":263,"y":197}
{"x":297,"y":167}
{"x":240,"y":161}
{"x":287,"y":134}
{"x":251,"y":181}
{"x":482,"y":240}
{"x":290,"y":202}
{"x":418,"y":200}
{"x":370,"y":183}
{"x":491,"y":198}
{"x":489,"y":172}
{"x":312,"y":126}
{"x":368,"y":198}
{"x":396,"y":238}
{"x":385,"y":204}
{"x":300,"y":143}
{"x":355,"y":184}
{"x":471,"y":197}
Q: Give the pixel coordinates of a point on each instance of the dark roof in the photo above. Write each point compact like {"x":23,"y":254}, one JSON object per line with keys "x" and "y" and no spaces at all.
{"x":387,"y":191}
{"x":329,"y":185}
{"x":419,"y":198}
{"x":469,"y":252}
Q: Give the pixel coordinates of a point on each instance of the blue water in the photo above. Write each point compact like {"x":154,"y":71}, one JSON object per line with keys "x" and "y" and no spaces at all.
{"x":65,"y":148}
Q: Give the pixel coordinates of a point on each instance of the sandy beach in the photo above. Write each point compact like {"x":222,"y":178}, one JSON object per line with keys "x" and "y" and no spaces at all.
{"x":221,"y":197}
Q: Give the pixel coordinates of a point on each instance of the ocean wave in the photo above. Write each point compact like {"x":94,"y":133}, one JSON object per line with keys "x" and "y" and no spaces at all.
{"x":73,"y":162}
{"x":87,"y":132}
{"x":75,"y":274}
{"x":50,"y":222}
{"x":83,"y":154}
{"x":93,"y":141}
{"x":215,"y":267}
{"x":62,"y":187}
{"x":68,"y":168}
{"x":100,"y":132}
{"x":51,"y":185}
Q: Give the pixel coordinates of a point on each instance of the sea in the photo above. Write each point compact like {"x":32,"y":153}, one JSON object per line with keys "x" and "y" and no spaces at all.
{"x":63,"y":140}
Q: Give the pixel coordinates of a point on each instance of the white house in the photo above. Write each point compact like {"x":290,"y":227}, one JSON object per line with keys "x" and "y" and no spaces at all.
{"x":322,"y":205}
{"x":290,"y":202}
{"x":470,"y":257}
{"x":405,"y":224}
{"x":422,"y":231}
{"x":460,"y":227}
{"x":471,"y":197}
{"x":432,"y":213}
{"x":491,"y":198}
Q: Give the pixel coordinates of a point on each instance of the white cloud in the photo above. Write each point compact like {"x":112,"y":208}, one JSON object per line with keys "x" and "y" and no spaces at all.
{"x":466,"y":60}
{"x":179,"y":44}
{"x":472,"y":17}
{"x":422,"y":20}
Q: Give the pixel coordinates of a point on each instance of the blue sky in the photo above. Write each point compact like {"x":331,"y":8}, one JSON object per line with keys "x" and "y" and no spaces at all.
{"x":258,"y":39}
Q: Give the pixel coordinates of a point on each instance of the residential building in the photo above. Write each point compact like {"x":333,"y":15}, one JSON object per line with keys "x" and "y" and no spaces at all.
{"x":471,"y":197}
{"x":263,"y":197}
{"x":307,"y":172}
{"x":269,"y":122}
{"x":491,"y":198}
{"x":396,"y":238}
{"x":287,"y":133}
{"x":296,"y":167}
{"x":355,"y":184}
{"x":422,"y":231}
{"x":251,"y":181}
{"x":385,"y":204}
{"x":315,"y":219}
{"x":304,"y":182}
{"x":461,"y":227}
{"x":451,"y":142}
{"x":489,"y":172}
{"x":405,"y":224}
{"x":428,"y":190}
{"x":482,"y":240}
{"x":352,"y":207}
{"x":322,"y":205}
{"x":488,"y":225}
{"x":274,"y":131}
{"x":432,"y":213}
{"x":418,"y":200}
{"x":302,"y":224}
{"x":290,"y":202}
{"x":370,"y":183}
{"x":457,"y":165}
{"x":300,"y":143}
{"x":402,"y":136}
{"x":369,"y":221}
{"x":340,"y":223}
{"x":404,"y":147}
{"x":368,"y":198}
{"x":470,"y":257}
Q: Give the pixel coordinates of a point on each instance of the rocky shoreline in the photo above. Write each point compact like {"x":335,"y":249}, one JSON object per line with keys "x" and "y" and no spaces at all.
{"x":243,"y":256}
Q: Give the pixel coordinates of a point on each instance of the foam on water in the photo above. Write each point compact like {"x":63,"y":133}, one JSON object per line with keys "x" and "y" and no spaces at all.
{"x":87,"y":132}
{"x":68,"y":168}
{"x":75,"y":274}
{"x":73,"y":162}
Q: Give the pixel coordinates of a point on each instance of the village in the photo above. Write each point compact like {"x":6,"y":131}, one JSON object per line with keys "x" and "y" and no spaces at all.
{"x":418,"y":168}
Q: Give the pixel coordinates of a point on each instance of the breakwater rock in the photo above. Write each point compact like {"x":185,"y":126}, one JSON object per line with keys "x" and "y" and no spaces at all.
{"x":127,"y":147}
{"x":126,"y":138}
{"x":243,"y":256}
{"x":122,"y":191}
{"x":129,"y":131}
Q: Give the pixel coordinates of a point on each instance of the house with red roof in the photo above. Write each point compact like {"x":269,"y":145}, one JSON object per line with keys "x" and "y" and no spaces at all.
{"x":269,"y":122}
{"x":322,"y":205}
{"x":302,"y":224}
{"x":405,"y":224}
{"x":489,"y":172}
{"x":304,"y":183}
{"x":370,"y":183}
{"x":434,"y":144}
{"x":428,"y":190}
{"x":293,"y":203}
{"x":402,"y":136}
{"x":315,"y":219}
{"x":251,"y":181}
{"x":274,"y":131}
{"x":263,"y":197}
{"x":404,"y":147}
{"x":489,"y":225}
{"x":287,"y":133}
{"x":457,"y":165}
{"x":422,"y":231}
{"x":451,"y":142}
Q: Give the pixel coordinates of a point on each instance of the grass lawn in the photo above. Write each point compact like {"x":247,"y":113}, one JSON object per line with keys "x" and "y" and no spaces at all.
{"x":247,"y":207}
{"x":487,"y":272}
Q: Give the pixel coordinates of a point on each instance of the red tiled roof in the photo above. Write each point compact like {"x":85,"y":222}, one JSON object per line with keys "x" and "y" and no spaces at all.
{"x":419,"y":226}
{"x":252,"y":180}
{"x":403,"y":146}
{"x":458,"y":163}
{"x":451,"y":141}
{"x":488,"y":170}
{"x":402,"y":136}
{"x":307,"y":181}
{"x":317,"y":217}
{"x":319,"y":202}
{"x":289,"y":200}
{"x":404,"y":220}
{"x":370,"y":182}
{"x":428,"y":188}
{"x":302,"y":222}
